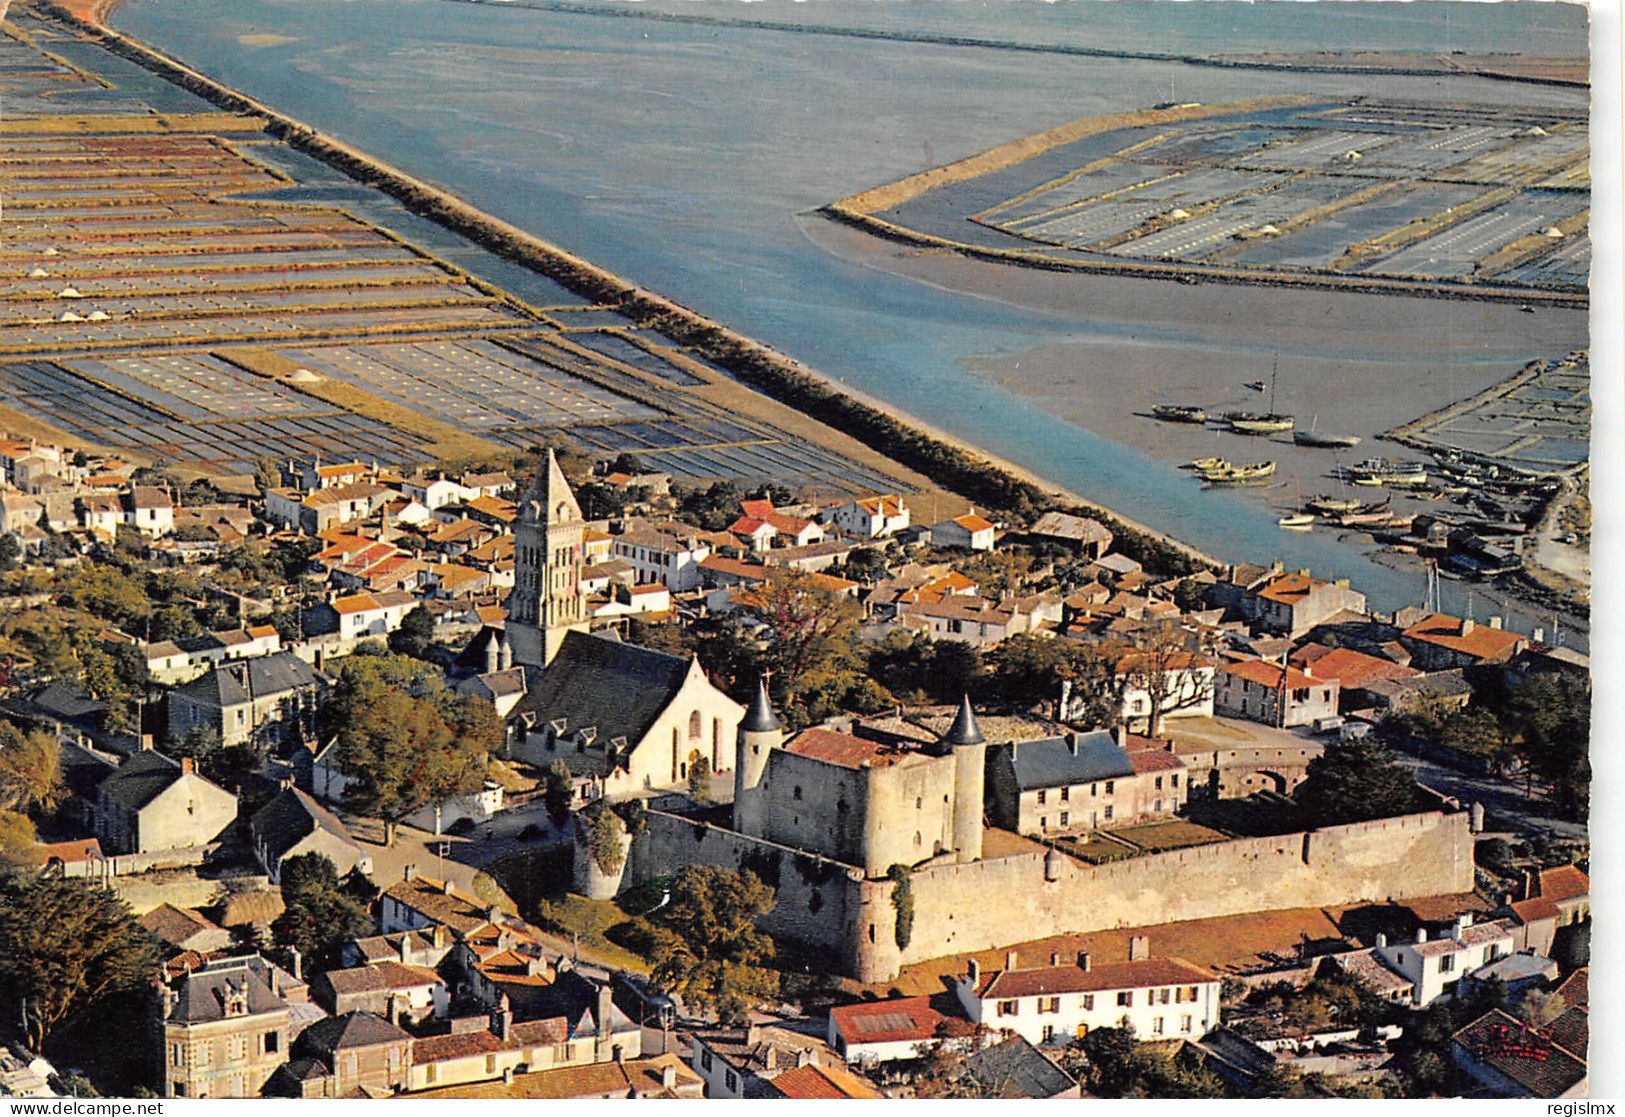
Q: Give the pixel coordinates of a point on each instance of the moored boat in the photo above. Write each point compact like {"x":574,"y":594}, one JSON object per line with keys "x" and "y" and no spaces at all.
{"x":1239,"y":474}
{"x":1297,"y":519}
{"x":1178,"y":413}
{"x":1325,"y":441}
{"x":1201,"y":464}
{"x":1333,"y":505}
{"x":1250,"y":422}
{"x":1385,"y":471}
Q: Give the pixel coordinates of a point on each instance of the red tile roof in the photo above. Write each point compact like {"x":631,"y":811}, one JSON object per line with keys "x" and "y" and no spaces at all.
{"x":834,"y":748}
{"x":1353,"y":669}
{"x":1268,"y":674}
{"x":1143,"y":974}
{"x":1564,"y":883}
{"x":815,"y":1082}
{"x":1155,"y":760}
{"x":1289,"y":589}
{"x":1536,"y":907}
{"x":911,"y":1018}
{"x":973,"y":523}
{"x":1483,"y":642}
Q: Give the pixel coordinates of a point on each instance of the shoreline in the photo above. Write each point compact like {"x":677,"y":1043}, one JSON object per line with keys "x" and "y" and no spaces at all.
{"x":955,"y":464}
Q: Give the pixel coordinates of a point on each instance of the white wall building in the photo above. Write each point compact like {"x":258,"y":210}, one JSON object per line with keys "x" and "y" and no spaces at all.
{"x":1435,"y":967}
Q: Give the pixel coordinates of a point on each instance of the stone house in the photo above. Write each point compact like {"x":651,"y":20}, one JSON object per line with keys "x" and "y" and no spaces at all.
{"x":417,"y":992}
{"x":324,"y":508}
{"x":261,"y":701}
{"x":1088,"y":537}
{"x":1435,"y":967}
{"x":670,"y":553}
{"x":970,"y":531}
{"x":1080,"y":782}
{"x":184,"y":929}
{"x":737,"y":1062}
{"x":874,"y":518}
{"x":1271,"y":694}
{"x":154,"y":803}
{"x":224,"y":1028}
{"x":1163,"y":998}
{"x":1438,"y":642}
{"x":358,"y":1054}
{"x":293,"y":824}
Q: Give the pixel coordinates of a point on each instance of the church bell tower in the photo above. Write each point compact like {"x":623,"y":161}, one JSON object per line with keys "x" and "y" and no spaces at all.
{"x":546,"y":601}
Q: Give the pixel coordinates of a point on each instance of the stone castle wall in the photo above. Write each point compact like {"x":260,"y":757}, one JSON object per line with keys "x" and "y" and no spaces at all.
{"x":994,"y":903}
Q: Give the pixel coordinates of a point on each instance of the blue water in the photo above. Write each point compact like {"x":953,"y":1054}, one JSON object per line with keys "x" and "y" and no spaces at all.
{"x":688,"y":157}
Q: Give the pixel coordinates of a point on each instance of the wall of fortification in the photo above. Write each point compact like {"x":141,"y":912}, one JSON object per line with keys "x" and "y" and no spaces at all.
{"x":989,"y":904}
{"x":817,"y":899}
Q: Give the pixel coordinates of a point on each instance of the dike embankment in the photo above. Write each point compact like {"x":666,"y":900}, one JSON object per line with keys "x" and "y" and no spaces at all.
{"x":952,"y":463}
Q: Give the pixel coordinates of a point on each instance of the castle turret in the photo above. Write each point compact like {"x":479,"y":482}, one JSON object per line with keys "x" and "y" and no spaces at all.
{"x":964,"y":739}
{"x":759,"y":734}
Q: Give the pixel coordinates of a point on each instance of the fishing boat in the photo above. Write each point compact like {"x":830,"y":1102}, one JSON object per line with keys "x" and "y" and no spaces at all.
{"x":1369,"y":515}
{"x":1311,"y":437}
{"x":1384,"y":471}
{"x":1333,"y":505}
{"x":1239,"y":474}
{"x":1271,"y":422}
{"x":1297,"y":520}
{"x":1255,"y":385}
{"x":1204,"y":464}
{"x":1177,"y":413}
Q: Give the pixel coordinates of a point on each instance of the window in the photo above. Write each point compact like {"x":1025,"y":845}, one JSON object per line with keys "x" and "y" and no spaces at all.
{"x":1009,"y":1008}
{"x":694,"y":724}
{"x":1108,"y":813}
{"x":1049,"y":1004}
{"x":273,"y":1043}
{"x":1110,"y":784}
{"x":179,"y":1089}
{"x":1179,"y":996}
{"x":1125,"y":1000}
{"x":1173,"y":781}
{"x":1156,"y":1025}
{"x":177,"y":1054}
{"x":1088,"y":1002}
{"x":1447,"y":963}
{"x":1066,"y":793}
{"x":491,"y":1064}
{"x":1048,"y":1035}
{"x":1094,"y":789}
{"x":1040,"y":798}
{"x":1163,"y":998}
{"x":1157,"y":805}
{"x":1185,"y":1023}
{"x":1043,"y":823}
{"x":733,"y":1081}
{"x":796,"y":794}
{"x":1065,"y":818}
{"x":919,"y":802}
{"x":1192,"y":992}
{"x":1158,"y":783}
{"x":431,"y":1072}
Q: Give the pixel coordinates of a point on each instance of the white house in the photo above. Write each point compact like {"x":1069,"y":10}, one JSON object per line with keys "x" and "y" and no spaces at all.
{"x":1435,"y":967}
{"x":372,"y":614}
{"x":969,"y":531}
{"x":1186,"y":691}
{"x":872,"y":1032}
{"x":1162,"y":998}
{"x":668,"y":553}
{"x":873,"y":518}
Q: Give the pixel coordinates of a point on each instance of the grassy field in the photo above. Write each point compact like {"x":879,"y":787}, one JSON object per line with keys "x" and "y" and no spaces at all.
{"x":1173,"y":834}
{"x":538,"y":881}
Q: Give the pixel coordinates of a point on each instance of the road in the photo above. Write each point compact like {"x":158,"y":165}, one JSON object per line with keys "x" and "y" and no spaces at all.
{"x":1523,"y":813}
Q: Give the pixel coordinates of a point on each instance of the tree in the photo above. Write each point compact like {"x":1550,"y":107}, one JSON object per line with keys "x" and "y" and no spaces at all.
{"x":1551,"y":716}
{"x":65,"y":947}
{"x":17,"y":840}
{"x":699,"y":780}
{"x":902,"y":899}
{"x":708,"y":948}
{"x":406,"y":738}
{"x":321,"y":915}
{"x":557,"y":791}
{"x":599,"y":501}
{"x":10,"y":551}
{"x":30,"y":768}
{"x":415,"y":634}
{"x":1167,"y":673}
{"x":810,"y":624}
{"x":1353,"y":781}
{"x":1025,"y":670}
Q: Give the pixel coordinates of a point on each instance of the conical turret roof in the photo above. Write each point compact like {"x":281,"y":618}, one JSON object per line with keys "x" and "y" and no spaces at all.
{"x":964,"y":730}
{"x":760,"y":718}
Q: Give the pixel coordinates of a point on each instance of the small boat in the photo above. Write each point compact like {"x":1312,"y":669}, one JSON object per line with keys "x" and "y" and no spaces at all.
{"x":1527,"y":309}
{"x":1333,"y":505}
{"x":1297,"y":519}
{"x":1250,"y":422}
{"x":1255,"y":385}
{"x":1312,"y":437}
{"x":1383,"y":471}
{"x":1175,"y":413}
{"x":1204,"y":464}
{"x":1370,"y":515}
{"x":1239,"y":474}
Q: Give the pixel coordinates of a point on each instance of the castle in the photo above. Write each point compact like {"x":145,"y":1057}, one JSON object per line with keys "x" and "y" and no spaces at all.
{"x":838,"y":824}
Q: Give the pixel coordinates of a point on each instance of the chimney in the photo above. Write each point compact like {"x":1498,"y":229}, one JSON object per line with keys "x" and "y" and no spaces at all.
{"x":1538,"y":636}
{"x":1083,"y":960}
{"x":502,"y":1019}
{"x":1382,"y":941}
{"x":493,"y":914}
{"x":1072,"y":743}
{"x":770,"y":1058}
{"x":405,"y":949}
{"x":1139,"y":948}
{"x":1010,"y":960}
{"x":1065,"y":701}
{"x":668,"y":1076}
{"x":1055,"y":958}
{"x":395,"y":1011}
{"x":507,"y":1076}
{"x":1495,"y":623}
{"x":753,"y":1034}
{"x":1421,"y":935}
{"x":188,"y":765}
{"x":1466,"y":627}
{"x":973,"y":971}
{"x":447,"y":887}
{"x":409,"y":873}
{"x":804,"y":1055}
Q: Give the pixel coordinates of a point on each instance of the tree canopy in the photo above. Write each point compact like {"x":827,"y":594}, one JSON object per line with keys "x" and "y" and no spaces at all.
{"x":65,"y":946}
{"x":1353,"y":781}
{"x":321,"y":914}
{"x":405,"y":739}
{"x":707,"y":947}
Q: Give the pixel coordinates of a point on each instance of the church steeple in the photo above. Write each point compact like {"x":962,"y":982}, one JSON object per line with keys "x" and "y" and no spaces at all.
{"x":546,"y":601}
